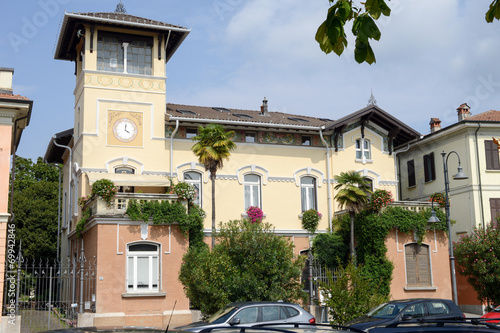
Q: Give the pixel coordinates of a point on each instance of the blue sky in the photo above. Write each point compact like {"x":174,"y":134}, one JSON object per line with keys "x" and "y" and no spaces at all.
{"x":433,"y":56}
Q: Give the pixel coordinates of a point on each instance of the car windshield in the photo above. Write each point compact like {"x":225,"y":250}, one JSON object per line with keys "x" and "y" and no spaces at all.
{"x":386,"y":310}
{"x":221,"y":315}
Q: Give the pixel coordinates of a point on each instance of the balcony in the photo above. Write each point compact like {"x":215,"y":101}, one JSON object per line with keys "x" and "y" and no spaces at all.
{"x":414,"y":206}
{"x":118,"y":207}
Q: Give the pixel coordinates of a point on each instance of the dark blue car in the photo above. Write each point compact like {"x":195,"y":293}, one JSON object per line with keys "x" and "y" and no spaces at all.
{"x":408,"y":310}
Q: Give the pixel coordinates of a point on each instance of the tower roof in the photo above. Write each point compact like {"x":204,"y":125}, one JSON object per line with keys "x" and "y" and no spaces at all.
{"x":73,"y":22}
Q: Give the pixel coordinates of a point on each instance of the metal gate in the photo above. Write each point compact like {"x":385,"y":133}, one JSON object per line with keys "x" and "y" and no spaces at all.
{"x":48,"y":294}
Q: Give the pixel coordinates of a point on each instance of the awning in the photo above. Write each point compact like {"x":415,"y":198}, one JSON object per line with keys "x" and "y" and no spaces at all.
{"x":124,"y":179}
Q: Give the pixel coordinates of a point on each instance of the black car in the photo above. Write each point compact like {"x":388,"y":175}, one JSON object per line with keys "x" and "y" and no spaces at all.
{"x":408,"y":310}
{"x":468,"y":325}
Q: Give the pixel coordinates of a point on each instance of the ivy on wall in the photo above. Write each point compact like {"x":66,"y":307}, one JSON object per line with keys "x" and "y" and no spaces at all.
{"x":372,"y":230}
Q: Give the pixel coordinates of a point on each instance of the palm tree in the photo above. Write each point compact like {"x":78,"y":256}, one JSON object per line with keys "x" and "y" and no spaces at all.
{"x":213,"y":146}
{"x":353,"y":196}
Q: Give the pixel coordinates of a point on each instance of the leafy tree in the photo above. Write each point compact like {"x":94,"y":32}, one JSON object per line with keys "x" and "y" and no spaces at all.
{"x":331,"y":34}
{"x":349,"y":294}
{"x":330,"y":249}
{"x":352,"y":195}
{"x":213,"y":146}
{"x":478,"y":258}
{"x":248,"y":263}
{"x":35,"y":204}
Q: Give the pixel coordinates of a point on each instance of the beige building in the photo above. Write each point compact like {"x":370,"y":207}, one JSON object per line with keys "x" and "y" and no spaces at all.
{"x":127,"y":132}
{"x":474,"y":202}
{"x":15,"y":114}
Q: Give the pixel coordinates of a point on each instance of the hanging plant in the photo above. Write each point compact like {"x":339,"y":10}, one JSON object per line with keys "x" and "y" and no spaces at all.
{"x":310,"y":220}
{"x":255,"y":214}
{"x":380,"y":199}
{"x":185,"y":191}
{"x":105,"y":189}
{"x":438,"y":198}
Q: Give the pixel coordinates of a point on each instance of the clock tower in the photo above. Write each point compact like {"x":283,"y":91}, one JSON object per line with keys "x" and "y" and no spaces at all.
{"x":120,"y":101}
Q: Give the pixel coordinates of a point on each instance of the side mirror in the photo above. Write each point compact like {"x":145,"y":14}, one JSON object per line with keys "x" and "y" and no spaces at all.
{"x":234,"y":321}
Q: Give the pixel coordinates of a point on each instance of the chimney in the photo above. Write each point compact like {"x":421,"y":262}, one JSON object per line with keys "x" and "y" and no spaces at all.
{"x":6,"y":80}
{"x":263,"y":108}
{"x":435,"y":124}
{"x":463,"y":111}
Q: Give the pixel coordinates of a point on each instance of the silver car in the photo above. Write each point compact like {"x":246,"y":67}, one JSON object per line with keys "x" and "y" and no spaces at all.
{"x":253,"y":313}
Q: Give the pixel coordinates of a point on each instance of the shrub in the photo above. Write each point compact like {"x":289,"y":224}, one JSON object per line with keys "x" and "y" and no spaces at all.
{"x":438,"y":198}
{"x":248,"y":262}
{"x":478,"y":258}
{"x":310,"y":220}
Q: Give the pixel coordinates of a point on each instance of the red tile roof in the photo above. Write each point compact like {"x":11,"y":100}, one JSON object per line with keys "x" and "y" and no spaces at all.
{"x":10,"y":96}
{"x":491,"y":115}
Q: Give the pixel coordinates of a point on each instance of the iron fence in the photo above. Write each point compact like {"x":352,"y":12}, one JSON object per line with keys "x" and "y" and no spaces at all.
{"x":48,"y":294}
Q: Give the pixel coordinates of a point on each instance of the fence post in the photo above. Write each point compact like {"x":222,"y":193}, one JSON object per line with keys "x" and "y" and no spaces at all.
{"x":50,"y":297}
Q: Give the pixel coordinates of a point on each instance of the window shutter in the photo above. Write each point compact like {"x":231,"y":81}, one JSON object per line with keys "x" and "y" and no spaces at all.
{"x":491,"y":151}
{"x":429,"y":169}
{"x":411,"y":173}
{"x":494,"y":208}
{"x":418,"y":270}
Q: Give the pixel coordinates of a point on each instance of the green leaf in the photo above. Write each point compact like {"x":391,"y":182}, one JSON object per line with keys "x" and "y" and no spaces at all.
{"x":322,"y":39}
{"x":493,"y":12}
{"x":377,"y":7}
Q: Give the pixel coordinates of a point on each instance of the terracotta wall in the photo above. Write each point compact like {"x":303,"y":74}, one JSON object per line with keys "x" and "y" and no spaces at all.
{"x":440,"y":265}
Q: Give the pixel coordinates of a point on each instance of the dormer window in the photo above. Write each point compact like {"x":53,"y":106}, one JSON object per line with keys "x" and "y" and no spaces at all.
{"x":124,"y":54}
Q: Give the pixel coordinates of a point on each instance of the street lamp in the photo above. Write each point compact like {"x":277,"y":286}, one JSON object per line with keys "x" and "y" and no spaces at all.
{"x":459,"y":176}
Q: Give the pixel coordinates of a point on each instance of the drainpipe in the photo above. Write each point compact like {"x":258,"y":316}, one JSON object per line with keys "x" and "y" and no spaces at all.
{"x":327,"y":177}
{"x":70,"y":175}
{"x":479,"y":175}
{"x":58,"y":208}
{"x":397,"y":170}
{"x":172,"y":148}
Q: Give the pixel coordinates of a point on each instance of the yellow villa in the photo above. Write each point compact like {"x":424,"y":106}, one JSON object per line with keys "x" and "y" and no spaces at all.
{"x":126,"y":131}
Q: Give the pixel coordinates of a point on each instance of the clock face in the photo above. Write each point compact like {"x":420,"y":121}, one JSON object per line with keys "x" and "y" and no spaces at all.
{"x":125,"y":130}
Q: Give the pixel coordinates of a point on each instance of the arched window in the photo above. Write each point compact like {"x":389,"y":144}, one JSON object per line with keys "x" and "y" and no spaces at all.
{"x":194,"y":178}
{"x":308,"y":193}
{"x":418,"y":266}
{"x":126,"y":170}
{"x":143,"y":265}
{"x":252,"y":191}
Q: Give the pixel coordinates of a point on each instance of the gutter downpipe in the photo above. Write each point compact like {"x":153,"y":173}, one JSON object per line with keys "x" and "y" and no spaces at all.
{"x":329,"y":200}
{"x":172,"y":148}
{"x":70,"y":175}
{"x":397,"y":170}
{"x":58,"y":208}
{"x":479,"y":175}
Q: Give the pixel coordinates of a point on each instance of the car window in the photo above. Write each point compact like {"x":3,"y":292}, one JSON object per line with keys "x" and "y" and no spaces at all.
{"x":270,"y":313}
{"x":437,"y":308}
{"x":387,"y":310}
{"x":221,"y":315}
{"x":290,"y":311}
{"x":247,"y":315}
{"x":415,"y":310}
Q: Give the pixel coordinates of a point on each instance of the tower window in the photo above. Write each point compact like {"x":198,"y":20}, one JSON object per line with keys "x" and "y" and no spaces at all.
{"x":116,"y":53}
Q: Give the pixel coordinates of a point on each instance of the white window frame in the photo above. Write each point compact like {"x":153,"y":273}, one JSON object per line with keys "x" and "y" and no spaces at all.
{"x":308,"y":194}
{"x":363,"y":150}
{"x":197,"y":183}
{"x":251,"y":187}
{"x":134,"y":255}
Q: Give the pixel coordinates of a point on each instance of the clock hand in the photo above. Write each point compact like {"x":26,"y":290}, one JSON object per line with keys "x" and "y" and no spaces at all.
{"x":126,"y":128}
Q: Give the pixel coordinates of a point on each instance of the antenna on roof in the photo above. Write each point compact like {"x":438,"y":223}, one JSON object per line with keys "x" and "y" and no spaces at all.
{"x":120,"y":8}
{"x":372,"y":100}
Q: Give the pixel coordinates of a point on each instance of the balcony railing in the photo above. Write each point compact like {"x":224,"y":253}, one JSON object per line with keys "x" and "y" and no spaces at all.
{"x":414,"y":206}
{"x":118,"y":206}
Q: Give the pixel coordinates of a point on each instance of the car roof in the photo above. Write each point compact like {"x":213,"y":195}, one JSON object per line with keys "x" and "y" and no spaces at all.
{"x":240,"y":304}
{"x":416,"y":300}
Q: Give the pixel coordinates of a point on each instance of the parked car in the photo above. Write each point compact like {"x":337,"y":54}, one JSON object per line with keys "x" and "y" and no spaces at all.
{"x":408,"y":310}
{"x":469,"y":325}
{"x":495,"y":313}
{"x":110,"y":330}
{"x":246,"y":314}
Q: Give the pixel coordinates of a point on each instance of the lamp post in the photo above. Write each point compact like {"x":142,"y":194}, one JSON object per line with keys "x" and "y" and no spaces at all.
{"x":459,"y":176}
